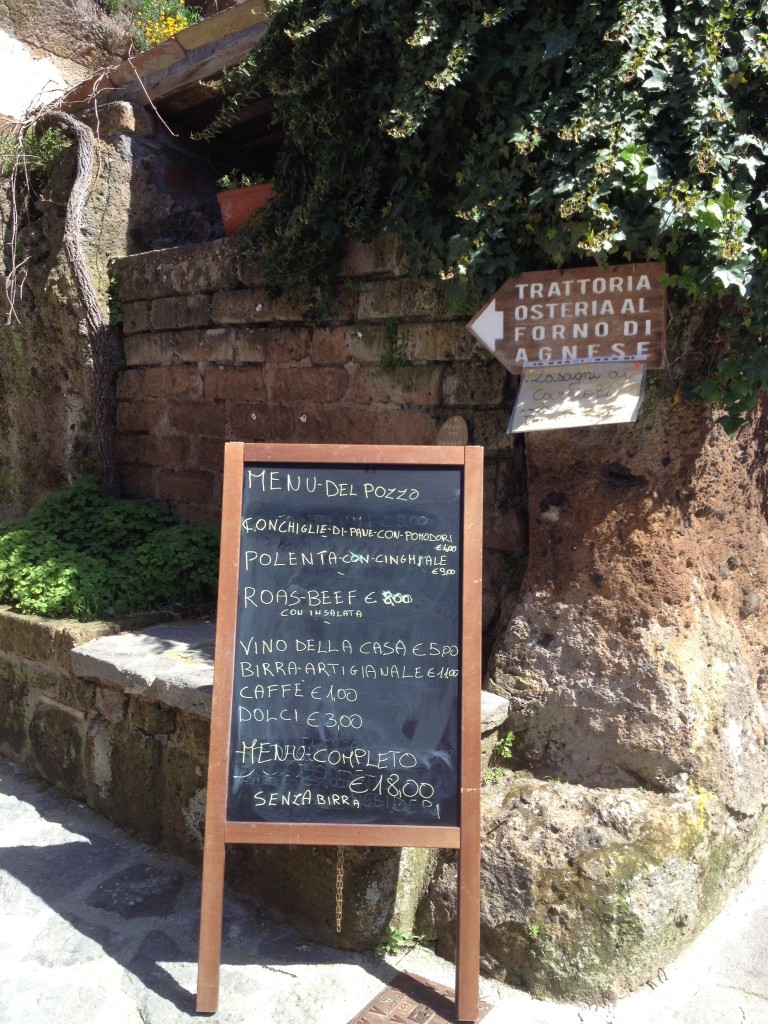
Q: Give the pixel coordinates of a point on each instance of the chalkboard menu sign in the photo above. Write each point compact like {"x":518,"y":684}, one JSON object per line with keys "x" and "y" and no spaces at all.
{"x":348,"y":632}
{"x":346,"y":704}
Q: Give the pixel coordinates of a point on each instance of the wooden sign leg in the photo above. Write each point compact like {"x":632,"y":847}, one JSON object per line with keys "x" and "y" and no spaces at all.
{"x":211,"y":912}
{"x":468,"y":937}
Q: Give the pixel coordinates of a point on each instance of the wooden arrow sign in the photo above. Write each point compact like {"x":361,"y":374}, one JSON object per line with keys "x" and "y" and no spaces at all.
{"x":555,"y":317}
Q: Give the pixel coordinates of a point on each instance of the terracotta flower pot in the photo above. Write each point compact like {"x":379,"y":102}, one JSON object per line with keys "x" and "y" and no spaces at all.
{"x":238,"y":205}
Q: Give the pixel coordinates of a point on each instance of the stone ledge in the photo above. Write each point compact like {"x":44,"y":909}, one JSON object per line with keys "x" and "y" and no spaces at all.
{"x":174,"y":664}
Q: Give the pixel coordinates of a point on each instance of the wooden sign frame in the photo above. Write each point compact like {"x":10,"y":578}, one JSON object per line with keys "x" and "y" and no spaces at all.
{"x":465,"y":837}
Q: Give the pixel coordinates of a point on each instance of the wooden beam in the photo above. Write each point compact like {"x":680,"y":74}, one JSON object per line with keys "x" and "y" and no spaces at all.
{"x":191,"y":56}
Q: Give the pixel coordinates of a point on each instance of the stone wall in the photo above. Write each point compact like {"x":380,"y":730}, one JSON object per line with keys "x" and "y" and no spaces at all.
{"x":121,"y":720}
{"x":211,"y":357}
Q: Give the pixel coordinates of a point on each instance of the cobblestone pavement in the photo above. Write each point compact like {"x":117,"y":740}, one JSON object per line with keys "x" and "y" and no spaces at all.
{"x":98,"y":927}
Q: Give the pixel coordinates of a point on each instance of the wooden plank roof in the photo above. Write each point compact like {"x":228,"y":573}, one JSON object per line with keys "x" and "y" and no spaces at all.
{"x":172,"y":77}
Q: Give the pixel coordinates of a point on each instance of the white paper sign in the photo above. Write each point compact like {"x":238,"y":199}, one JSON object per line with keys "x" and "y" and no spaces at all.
{"x":579,"y":395}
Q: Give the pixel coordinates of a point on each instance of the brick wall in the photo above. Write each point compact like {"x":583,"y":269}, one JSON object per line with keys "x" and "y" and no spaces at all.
{"x":210,"y":357}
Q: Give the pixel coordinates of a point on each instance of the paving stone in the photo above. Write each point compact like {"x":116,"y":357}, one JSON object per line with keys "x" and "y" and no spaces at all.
{"x":66,"y":943}
{"x":139,"y":891}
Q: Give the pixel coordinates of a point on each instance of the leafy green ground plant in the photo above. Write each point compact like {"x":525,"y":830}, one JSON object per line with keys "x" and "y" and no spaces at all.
{"x":395,"y":941}
{"x":85,"y":555}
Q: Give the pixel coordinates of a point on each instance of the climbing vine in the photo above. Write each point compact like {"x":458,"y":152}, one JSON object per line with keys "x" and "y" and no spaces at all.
{"x":497,"y":137}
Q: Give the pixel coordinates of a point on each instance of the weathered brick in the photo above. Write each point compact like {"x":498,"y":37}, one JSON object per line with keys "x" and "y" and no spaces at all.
{"x":194,"y":513}
{"x":140,"y":416}
{"x":151,"y":717}
{"x":405,"y":426}
{"x":308,"y":383}
{"x":207,"y":453}
{"x":217,"y":345}
{"x":138,"y":481}
{"x":404,"y":297}
{"x":204,"y":418}
{"x":474,"y":385}
{"x":186,"y":485}
{"x":360,"y":343}
{"x":253,"y":306}
{"x":382,"y":256}
{"x":345,"y":424}
{"x":250,"y":271}
{"x":406,"y":385}
{"x":490,"y":430}
{"x":504,"y":528}
{"x":152,"y":449}
{"x":189,"y":269}
{"x":238,"y":383}
{"x":259,"y":421}
{"x":181,"y":311}
{"x":433,"y":342}
{"x":159,"y":382}
{"x":27,"y":636}
{"x":137,"y":317}
{"x":111,"y":702}
{"x":149,"y":349}
{"x":284,"y":344}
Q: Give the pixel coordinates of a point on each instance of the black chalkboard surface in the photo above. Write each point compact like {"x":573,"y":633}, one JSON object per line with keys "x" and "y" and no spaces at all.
{"x":348,"y":632}
{"x":346,"y":693}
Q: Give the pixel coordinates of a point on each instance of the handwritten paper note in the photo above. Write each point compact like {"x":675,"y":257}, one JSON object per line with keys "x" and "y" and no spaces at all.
{"x":578,"y":395}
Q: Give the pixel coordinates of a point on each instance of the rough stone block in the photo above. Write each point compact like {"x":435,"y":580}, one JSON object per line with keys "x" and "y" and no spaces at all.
{"x":333,"y":424}
{"x":205,"y":418}
{"x":281,"y":344}
{"x":406,"y":385}
{"x":382,"y":256}
{"x":141,"y":416}
{"x":241,"y":383}
{"x":405,"y":426}
{"x":77,"y":693}
{"x":433,"y":342}
{"x":250,"y":271}
{"x":14,"y":720}
{"x":252,"y":306}
{"x":152,"y":449}
{"x":150,"y":717}
{"x":119,"y":117}
{"x":261,"y":421}
{"x":56,"y":739}
{"x":135,"y":796}
{"x":184,"y":782}
{"x":159,"y":382}
{"x":474,"y":385}
{"x":181,"y":311}
{"x":137,"y":317}
{"x":489,"y":429}
{"x":149,"y":350}
{"x":110,"y":702}
{"x":216,"y":345}
{"x":360,"y":343}
{"x":306,"y":383}
{"x":27,"y":636}
{"x":207,"y":453}
{"x":186,"y":485}
{"x":183,"y":271}
{"x":138,"y":481}
{"x":384,"y":300}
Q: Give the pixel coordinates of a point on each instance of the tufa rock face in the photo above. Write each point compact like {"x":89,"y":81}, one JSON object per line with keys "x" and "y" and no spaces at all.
{"x":637,"y":651}
{"x":586,"y":893}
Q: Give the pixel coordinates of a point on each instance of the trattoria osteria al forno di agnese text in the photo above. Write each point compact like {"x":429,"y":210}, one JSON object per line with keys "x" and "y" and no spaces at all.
{"x":557,"y":317}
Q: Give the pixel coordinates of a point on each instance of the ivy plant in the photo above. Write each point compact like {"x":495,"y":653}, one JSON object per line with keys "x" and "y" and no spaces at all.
{"x":499,"y":137}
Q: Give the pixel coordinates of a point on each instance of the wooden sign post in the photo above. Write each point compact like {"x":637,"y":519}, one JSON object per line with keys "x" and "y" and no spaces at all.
{"x":346,"y":699}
